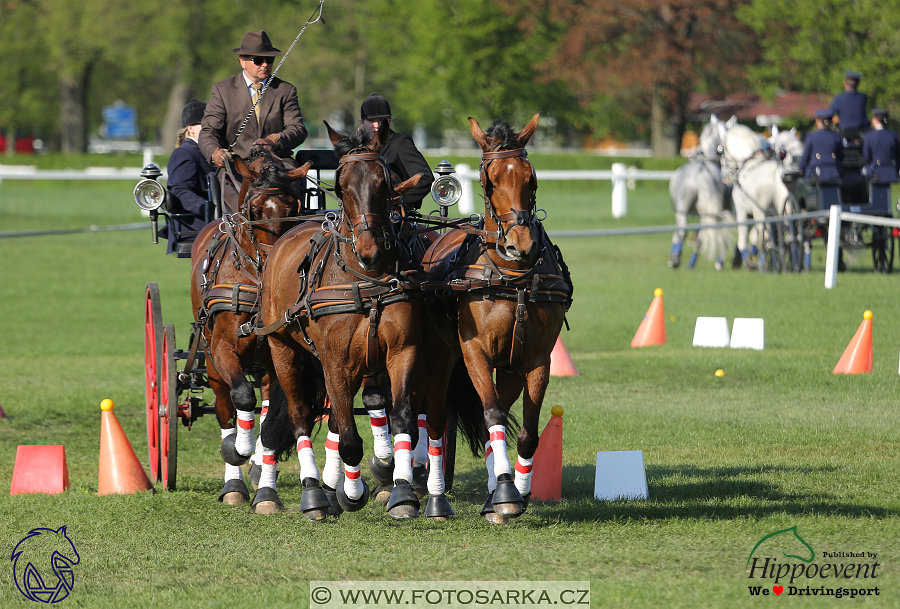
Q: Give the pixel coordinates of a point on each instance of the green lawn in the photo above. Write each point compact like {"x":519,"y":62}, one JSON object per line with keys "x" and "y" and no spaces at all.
{"x":777,"y":442}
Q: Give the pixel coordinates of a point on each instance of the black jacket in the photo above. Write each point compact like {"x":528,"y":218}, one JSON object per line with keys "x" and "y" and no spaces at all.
{"x":404,"y":159}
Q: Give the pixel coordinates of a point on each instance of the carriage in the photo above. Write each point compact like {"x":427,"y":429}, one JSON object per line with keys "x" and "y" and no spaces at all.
{"x":176,"y":379}
{"x":854,"y":194}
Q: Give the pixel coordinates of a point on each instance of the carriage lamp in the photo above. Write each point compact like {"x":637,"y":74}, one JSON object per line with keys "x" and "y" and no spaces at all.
{"x":149,"y":194}
{"x":446,"y":190}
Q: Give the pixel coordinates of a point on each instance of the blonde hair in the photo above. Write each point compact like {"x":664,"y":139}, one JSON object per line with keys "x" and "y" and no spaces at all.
{"x":182,"y":133}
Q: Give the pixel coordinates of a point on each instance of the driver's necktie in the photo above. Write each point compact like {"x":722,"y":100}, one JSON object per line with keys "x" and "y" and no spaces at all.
{"x":257,"y":87}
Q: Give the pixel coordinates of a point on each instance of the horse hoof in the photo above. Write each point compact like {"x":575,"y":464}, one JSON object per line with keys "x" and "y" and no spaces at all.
{"x":404,"y":502}
{"x":255,"y":473}
{"x":267,"y":501}
{"x":674,"y":261}
{"x":352,"y":505}
{"x":438,"y":507}
{"x":230,"y":453}
{"x":382,"y":494}
{"x":719,"y":266}
{"x":381,"y":470}
{"x":234,"y":493}
{"x":335,"y":509}
{"x":488,"y":513}
{"x":506,"y":498}
{"x":420,"y":480}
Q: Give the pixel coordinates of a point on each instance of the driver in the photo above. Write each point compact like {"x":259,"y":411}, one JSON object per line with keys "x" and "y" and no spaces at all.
{"x":823,"y":152}
{"x":850,"y":107}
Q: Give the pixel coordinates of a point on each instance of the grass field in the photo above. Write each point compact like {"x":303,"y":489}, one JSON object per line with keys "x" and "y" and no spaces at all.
{"x":777,"y":442}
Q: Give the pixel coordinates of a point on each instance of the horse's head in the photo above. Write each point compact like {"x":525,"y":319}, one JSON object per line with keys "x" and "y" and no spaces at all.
{"x":740,"y":144}
{"x":266,"y":193}
{"x":509,"y":183}
{"x":363,"y":184}
{"x":711,"y":139}
{"x":788,"y":148}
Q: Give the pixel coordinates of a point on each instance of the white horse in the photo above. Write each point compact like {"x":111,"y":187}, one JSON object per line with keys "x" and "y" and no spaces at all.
{"x":697,"y":187}
{"x":788,"y":148}
{"x":758,"y":190}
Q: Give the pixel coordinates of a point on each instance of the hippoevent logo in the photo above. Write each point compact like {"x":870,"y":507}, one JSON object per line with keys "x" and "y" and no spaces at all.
{"x":784,"y":563}
{"x":42,"y":565}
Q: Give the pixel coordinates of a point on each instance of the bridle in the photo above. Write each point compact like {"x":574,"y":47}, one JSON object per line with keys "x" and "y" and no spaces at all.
{"x":376,"y":223}
{"x":519,"y":217}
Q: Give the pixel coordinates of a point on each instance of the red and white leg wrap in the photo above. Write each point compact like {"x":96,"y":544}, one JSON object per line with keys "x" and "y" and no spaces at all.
{"x":331,"y":474}
{"x":435,"y":483}
{"x":403,"y":457}
{"x":257,"y":454}
{"x":380,"y":434}
{"x":523,"y":475}
{"x":489,"y":465}
{"x":268,"y":470}
{"x":308,"y":468}
{"x":420,"y":456}
{"x":353,"y":487}
{"x":245,"y":441}
{"x":498,"y":443}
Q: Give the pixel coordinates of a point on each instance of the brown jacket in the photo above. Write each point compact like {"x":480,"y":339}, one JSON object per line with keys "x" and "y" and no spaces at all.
{"x":229,"y":105}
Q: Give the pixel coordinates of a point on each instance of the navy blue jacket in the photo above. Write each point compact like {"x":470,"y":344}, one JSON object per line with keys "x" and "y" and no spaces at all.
{"x":404,"y":159}
{"x":823,"y":156}
{"x":881,"y":150}
{"x":850,"y":106}
{"x":188,"y":190}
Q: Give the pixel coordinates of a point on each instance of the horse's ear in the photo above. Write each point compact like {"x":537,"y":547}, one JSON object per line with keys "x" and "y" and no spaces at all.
{"x":478,"y":134}
{"x":300,"y":172}
{"x":526,"y":133}
{"x":381,"y":136}
{"x":713,"y":119}
{"x":774,"y":131}
{"x":731,"y":122}
{"x":245,"y":171}
{"x":410,"y":183}
{"x":333,"y":135}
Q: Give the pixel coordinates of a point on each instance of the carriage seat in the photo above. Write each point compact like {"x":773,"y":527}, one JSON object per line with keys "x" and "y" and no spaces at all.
{"x":313,"y":196}
{"x":828,"y":194}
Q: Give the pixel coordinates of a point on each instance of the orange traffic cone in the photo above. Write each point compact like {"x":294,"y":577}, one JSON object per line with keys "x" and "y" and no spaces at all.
{"x":120,"y":470}
{"x":652,"y":330}
{"x":857,"y":357}
{"x":40,"y":469}
{"x":546,"y":474}
{"x":560,"y":361}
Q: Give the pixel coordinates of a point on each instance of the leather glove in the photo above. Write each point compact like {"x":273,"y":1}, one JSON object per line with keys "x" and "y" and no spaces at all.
{"x":219,"y":155}
{"x":273,"y":140}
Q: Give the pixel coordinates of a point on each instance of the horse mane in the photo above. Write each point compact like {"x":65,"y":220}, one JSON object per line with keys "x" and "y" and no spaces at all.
{"x":352,"y":141}
{"x":502,"y":135}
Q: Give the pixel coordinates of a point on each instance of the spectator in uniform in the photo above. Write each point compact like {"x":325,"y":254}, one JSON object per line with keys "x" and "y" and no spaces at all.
{"x":188,"y":192}
{"x":850,"y":107}
{"x":823,"y":152}
{"x":881,"y":150}
{"x":400,"y":152}
{"x":276,"y":121}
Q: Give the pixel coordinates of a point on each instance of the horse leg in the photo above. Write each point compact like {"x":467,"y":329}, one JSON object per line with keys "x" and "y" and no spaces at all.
{"x":235,"y":491}
{"x":381,"y":463}
{"x":256,"y":457}
{"x":331,"y":473}
{"x":352,"y":491}
{"x":403,"y":503}
{"x":678,"y":239}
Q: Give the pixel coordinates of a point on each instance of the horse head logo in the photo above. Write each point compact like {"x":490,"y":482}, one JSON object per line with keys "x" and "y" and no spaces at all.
{"x":45,"y":554}
{"x":793,"y":530}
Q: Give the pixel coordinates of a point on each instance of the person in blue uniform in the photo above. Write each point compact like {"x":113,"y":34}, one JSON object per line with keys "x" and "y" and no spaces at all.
{"x":400,"y":152}
{"x":823,"y":152}
{"x":187,"y":169}
{"x":881,"y":150}
{"x":850,"y":107}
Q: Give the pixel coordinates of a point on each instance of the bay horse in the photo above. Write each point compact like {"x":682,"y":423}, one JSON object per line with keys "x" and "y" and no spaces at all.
{"x":336,"y":307}
{"x":227,"y":261}
{"x":509,"y":291}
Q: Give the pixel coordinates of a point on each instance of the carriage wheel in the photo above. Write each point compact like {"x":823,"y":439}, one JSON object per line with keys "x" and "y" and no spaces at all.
{"x":449,"y":452}
{"x":152,"y":349}
{"x":168,"y":423}
{"x":882,"y":249}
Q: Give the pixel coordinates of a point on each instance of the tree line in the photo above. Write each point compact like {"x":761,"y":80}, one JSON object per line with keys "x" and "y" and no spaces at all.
{"x":594,"y":68}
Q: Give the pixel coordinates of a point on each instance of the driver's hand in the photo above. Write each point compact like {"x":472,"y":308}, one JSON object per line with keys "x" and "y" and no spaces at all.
{"x":219,"y":156}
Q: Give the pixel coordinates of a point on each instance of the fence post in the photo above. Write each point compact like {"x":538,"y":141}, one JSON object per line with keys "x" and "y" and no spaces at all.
{"x":834,"y":238}
{"x":148,"y":155}
{"x":466,"y":202}
{"x":619,"y":191}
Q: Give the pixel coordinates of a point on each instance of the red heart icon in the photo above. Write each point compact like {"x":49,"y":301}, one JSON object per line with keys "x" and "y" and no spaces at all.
{"x":777,"y":590}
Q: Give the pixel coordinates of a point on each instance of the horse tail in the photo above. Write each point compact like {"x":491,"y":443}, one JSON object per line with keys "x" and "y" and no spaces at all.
{"x":277,"y":432}
{"x":464,"y":403}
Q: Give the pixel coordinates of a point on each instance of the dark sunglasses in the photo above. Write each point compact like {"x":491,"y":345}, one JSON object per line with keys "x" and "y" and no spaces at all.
{"x":258,"y":61}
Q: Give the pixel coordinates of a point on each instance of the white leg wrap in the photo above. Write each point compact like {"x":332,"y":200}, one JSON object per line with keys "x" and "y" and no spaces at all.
{"x":523,"y":475}
{"x":420,"y":456}
{"x":269,"y":471}
{"x":353,"y":487}
{"x":308,"y":468}
{"x":245,"y":441}
{"x":257,"y":454}
{"x":403,"y":457}
{"x":331,"y":475}
{"x":489,"y":464}
{"x":435,"y":483}
{"x":233,"y":472}
{"x":498,"y":443}
{"x":379,"y":422}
